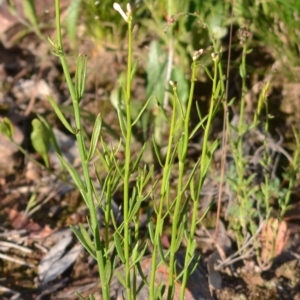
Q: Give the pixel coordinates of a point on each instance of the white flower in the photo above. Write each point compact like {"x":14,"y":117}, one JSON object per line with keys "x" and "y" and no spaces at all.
{"x":119,"y":9}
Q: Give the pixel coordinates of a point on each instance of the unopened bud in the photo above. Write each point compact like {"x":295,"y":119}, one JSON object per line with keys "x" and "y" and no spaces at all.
{"x":173,"y":84}
{"x":129,"y":10}
{"x":215,"y":56}
{"x":197,"y":54}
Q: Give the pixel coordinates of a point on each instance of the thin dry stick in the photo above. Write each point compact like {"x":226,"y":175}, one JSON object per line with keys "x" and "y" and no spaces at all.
{"x":239,"y":255}
{"x":219,"y":248}
{"x":225,"y":135}
{"x":16,"y":260}
{"x":4,"y":244}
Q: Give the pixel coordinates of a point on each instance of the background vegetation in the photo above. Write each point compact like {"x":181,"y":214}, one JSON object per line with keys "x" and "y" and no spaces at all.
{"x":185,"y":135}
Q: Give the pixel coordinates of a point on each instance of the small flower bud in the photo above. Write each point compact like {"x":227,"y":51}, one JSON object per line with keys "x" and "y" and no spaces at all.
{"x":173,"y":84}
{"x":129,"y":10}
{"x":197,"y":54}
{"x":215,"y":56}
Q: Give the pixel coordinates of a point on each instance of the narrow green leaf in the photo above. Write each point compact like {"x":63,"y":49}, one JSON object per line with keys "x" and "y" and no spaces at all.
{"x":141,"y":111}
{"x":30,"y":13}
{"x":80,"y":296}
{"x":116,"y":182}
{"x":121,"y":121}
{"x":181,"y":150}
{"x":134,"y":254}
{"x":151,"y":231}
{"x":242,"y":71}
{"x":80,"y":76}
{"x":193,"y":189}
{"x":60,"y":114}
{"x":52,"y":138}
{"x":106,"y":154}
{"x":108,"y":272}
{"x":188,"y":267}
{"x":191,"y":175}
{"x":149,"y":174}
{"x":133,"y":71}
{"x":208,"y":158}
{"x":86,"y":237}
{"x":141,"y":254}
{"x":144,"y":280}
{"x":160,"y":291}
{"x":74,"y":174}
{"x":51,"y":42}
{"x":135,"y":206}
{"x":121,"y":278}
{"x":198,"y":111}
{"x":161,"y":252}
{"x":178,"y":241}
{"x":137,"y":162}
{"x":82,"y":240}
{"x":231,"y":101}
{"x":54,"y":142}
{"x":217,"y":90}
{"x":157,"y":152}
{"x":196,"y":129}
{"x":95,"y":137}
{"x":207,"y":72}
{"x":162,"y":110}
{"x":119,"y":247}
{"x":103,"y":161}
{"x":117,"y":167}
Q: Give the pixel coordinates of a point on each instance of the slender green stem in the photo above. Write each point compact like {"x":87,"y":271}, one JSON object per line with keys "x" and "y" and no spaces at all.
{"x":107,"y":212}
{"x":163,"y":197}
{"x":88,"y":194}
{"x":240,"y":163}
{"x":244,"y":88}
{"x":207,"y":129}
{"x":195,"y":203}
{"x":267,"y":197}
{"x":127,"y":170}
{"x":176,"y":213}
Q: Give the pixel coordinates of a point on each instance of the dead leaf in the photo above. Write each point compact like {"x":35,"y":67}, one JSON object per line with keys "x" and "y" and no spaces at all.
{"x":20,"y":221}
{"x":274,"y":238}
{"x":58,"y":259}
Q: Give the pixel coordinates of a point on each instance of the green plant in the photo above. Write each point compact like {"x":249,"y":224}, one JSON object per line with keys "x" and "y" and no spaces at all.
{"x":254,"y":192}
{"x":128,"y":246}
{"x":113,"y":242}
{"x":85,"y":185}
{"x":101,"y":23}
{"x":32,"y":21}
{"x":272,"y":23}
